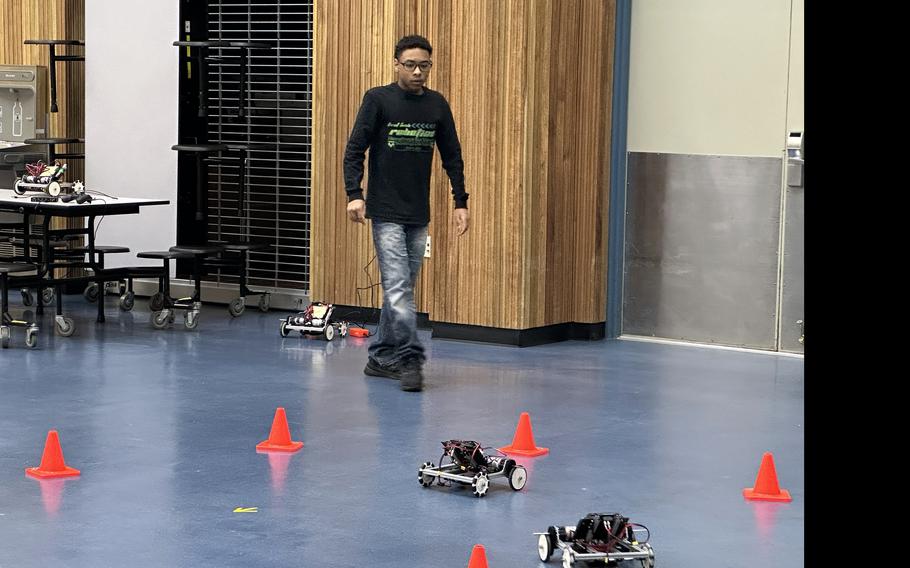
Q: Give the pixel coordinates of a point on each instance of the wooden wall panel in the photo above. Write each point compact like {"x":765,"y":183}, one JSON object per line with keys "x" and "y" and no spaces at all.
{"x":529,"y":83}
{"x":578,"y":161}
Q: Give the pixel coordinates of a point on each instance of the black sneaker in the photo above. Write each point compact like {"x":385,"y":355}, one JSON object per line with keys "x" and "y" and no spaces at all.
{"x":411,"y":376}
{"x":374,"y":369}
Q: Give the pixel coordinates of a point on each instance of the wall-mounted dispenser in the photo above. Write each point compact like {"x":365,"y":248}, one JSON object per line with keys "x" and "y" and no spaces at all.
{"x":23,"y":102}
{"x":795,"y":159}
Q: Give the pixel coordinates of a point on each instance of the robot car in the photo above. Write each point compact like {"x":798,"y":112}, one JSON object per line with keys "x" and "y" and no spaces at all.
{"x":468,"y":465}
{"x":315,"y":320}
{"x":44,"y":178}
{"x":599,"y":539}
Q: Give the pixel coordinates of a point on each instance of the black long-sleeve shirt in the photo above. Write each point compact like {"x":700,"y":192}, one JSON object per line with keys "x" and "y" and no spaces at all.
{"x":400,"y":128}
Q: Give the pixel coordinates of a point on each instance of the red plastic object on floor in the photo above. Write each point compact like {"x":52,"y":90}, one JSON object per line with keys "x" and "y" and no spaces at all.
{"x":52,"y":464}
{"x":478,"y":557}
{"x":358,"y":332}
{"x":766,"y":486}
{"x":523,"y":441}
{"x":280,"y":436}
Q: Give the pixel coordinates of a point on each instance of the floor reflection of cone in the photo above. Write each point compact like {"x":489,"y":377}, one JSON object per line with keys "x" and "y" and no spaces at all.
{"x":765,"y":518}
{"x":278,"y":469}
{"x":51,"y":494}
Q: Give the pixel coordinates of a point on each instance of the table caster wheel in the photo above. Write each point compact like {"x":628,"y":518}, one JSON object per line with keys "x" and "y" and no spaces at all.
{"x":31,"y":337}
{"x":191,"y":319}
{"x":127,"y":301}
{"x":91,"y":292}
{"x":161,"y":319}
{"x":237,"y":307}
{"x":65,"y":326}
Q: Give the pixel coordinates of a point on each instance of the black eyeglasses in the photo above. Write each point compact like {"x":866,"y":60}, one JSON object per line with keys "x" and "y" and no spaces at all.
{"x":410,"y":65}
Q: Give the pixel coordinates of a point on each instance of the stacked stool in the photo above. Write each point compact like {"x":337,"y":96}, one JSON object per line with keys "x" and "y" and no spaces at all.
{"x":229,"y":255}
{"x":232,"y":257}
{"x":8,"y":322}
{"x":162,"y":305}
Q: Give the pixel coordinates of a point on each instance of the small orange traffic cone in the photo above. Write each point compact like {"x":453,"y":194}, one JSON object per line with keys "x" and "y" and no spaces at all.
{"x":52,"y":464}
{"x":523,"y":441}
{"x":766,"y":487}
{"x":478,"y":557}
{"x":280,"y":436}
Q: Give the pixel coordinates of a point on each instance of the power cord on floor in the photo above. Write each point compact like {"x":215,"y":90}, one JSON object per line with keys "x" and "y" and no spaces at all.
{"x":372,"y":288}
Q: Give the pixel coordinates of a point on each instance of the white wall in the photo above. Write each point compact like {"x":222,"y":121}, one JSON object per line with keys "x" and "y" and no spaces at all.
{"x":709,"y":77}
{"x":131,"y":72}
{"x":797,"y":87}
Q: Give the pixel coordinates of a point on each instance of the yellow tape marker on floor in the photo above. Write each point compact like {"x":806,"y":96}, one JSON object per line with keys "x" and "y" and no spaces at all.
{"x":246,"y":510}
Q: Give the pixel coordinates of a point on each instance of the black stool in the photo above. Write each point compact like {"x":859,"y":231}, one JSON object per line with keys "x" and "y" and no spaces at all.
{"x":200,"y":56}
{"x":200,"y":152}
{"x":96,"y":288}
{"x":238,"y":305}
{"x":162,"y":305}
{"x":57,"y":249}
{"x":54,"y":58}
{"x":52,"y":143}
{"x":239,"y":250}
{"x":212,"y":256}
{"x":245,"y":48}
{"x":31,"y":328}
{"x":200,"y":253}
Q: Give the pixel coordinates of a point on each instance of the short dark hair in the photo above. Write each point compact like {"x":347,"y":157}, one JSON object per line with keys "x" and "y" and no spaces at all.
{"x":412,"y":41}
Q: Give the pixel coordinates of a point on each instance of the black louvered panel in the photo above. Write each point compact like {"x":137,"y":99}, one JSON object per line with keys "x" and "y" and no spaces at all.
{"x":278,"y":114}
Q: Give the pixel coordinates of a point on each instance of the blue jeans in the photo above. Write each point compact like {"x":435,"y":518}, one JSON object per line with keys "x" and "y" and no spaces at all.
{"x":399,"y":249}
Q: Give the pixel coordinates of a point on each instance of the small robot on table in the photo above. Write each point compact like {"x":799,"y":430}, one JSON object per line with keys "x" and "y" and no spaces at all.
{"x":46,"y":179}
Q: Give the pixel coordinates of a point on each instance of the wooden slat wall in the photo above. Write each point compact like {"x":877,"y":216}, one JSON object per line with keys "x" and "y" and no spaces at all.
{"x":530,"y":87}
{"x":51,"y":19}
{"x":580,"y":82}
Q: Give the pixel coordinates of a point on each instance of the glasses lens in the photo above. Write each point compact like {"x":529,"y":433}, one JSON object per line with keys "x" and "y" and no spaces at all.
{"x":424,"y":65}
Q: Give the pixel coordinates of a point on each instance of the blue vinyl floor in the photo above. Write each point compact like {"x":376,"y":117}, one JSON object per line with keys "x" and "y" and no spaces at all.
{"x":164,"y":424}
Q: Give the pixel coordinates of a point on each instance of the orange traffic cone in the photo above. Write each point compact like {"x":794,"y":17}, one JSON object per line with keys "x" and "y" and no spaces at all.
{"x":52,"y":464}
{"x":478,"y":557}
{"x":523,"y":441}
{"x":766,"y":487}
{"x":280,"y":436}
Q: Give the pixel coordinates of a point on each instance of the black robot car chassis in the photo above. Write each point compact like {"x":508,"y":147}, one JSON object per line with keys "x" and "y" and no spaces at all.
{"x":468,"y":465}
{"x":599,"y":539}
